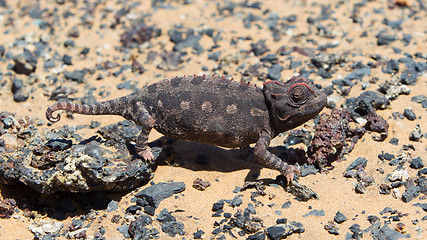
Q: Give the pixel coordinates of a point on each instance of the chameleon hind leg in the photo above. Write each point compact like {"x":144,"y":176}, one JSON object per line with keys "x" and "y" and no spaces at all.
{"x":146,"y":121}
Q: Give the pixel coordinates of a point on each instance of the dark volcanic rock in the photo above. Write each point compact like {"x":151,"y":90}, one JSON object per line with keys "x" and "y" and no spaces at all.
{"x":154,"y":194}
{"x":139,"y":34}
{"x":281,"y":231}
{"x":411,"y":193}
{"x":58,"y":164}
{"x":25,"y":63}
{"x":366,"y":102}
{"x":339,"y":217}
{"x":333,"y":138}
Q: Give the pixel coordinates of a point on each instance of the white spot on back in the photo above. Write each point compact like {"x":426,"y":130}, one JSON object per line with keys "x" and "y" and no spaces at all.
{"x":206,"y":106}
{"x":185,"y":105}
{"x":231,"y":109}
{"x":256,"y":112}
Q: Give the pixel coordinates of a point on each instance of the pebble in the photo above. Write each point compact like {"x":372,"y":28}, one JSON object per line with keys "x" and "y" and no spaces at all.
{"x":409,"y":114}
{"x":416,"y":134}
{"x":340,"y":217}
{"x":416,"y":163}
{"x":154,"y":194}
{"x":112,"y":206}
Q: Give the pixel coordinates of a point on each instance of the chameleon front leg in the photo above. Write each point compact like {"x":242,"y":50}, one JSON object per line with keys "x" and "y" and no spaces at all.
{"x":272,"y":161}
{"x":146,"y":121}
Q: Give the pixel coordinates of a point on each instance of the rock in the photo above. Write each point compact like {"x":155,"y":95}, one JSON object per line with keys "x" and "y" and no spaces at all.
{"x":383,"y":39}
{"x":20,"y":92}
{"x":411,"y":193}
{"x":317,"y":213}
{"x":281,"y":231}
{"x":199,"y":234}
{"x":76,"y":75}
{"x":386,"y":233}
{"x":154,"y":194}
{"x":421,"y":205}
{"x":132,"y":209}
{"x":218,"y":205}
{"x":82,"y":167}
{"x":59,"y":144}
{"x":286,"y":205}
{"x":139,"y":34}
{"x":366,"y":102}
{"x":274,"y":72}
{"x":409,"y":114}
{"x":236,"y":202}
{"x":416,"y":163}
{"x":376,"y":123}
{"x":302,"y":192}
{"x":137,"y":228}
{"x":173,"y":228}
{"x":333,"y":138}
{"x":416,"y":134}
{"x":165,"y":216}
{"x":7,"y":207}
{"x":200,"y":185}
{"x":259,"y":48}
{"x":44,"y":227}
{"x":25,"y":63}
{"x":192,"y":40}
{"x":124,"y":229}
{"x":112,"y":206}
{"x":339,"y":217}
{"x":359,"y":162}
{"x":359,"y":73}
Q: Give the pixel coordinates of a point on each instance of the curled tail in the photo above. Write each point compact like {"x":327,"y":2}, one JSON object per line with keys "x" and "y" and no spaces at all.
{"x":113,"y":107}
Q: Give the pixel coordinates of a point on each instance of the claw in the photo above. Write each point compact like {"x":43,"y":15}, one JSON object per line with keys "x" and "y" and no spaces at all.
{"x":146,"y":154}
{"x":290,"y":173}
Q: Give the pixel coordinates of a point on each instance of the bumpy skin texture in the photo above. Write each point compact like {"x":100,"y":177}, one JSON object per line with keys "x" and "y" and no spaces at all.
{"x":214,"y":110}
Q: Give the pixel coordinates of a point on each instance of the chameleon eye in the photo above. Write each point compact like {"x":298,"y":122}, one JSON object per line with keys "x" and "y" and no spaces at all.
{"x":299,"y":94}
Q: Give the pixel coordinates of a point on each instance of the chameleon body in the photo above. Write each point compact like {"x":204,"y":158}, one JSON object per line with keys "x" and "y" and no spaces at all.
{"x":213,"y":110}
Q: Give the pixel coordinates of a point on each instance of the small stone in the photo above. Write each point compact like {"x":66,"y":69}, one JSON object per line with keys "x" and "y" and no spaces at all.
{"x":317,"y":213}
{"x":165,"y":216}
{"x":416,"y":134}
{"x":199,"y":234}
{"x":339,"y":217}
{"x":218,"y":205}
{"x":237,"y":201}
{"x":394,"y":141}
{"x":76,"y":75}
{"x":44,"y":227}
{"x":173,"y":228}
{"x":25,"y":63}
{"x":275,"y":72}
{"x":112,"y":206}
{"x":67,"y":59}
{"x":154,"y":194}
{"x":200,"y":185}
{"x":409,"y":114}
{"x":286,"y":205}
{"x":411,"y":193}
{"x":416,"y":163}
{"x":132,"y":209}
{"x":360,"y":161}
{"x":386,"y":156}
{"x":124,"y":229}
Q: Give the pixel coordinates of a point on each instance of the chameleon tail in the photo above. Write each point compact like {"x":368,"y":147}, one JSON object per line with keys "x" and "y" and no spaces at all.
{"x":112,"y":107}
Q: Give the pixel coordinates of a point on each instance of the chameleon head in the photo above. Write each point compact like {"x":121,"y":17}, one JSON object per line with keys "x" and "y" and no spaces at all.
{"x":292,"y":103}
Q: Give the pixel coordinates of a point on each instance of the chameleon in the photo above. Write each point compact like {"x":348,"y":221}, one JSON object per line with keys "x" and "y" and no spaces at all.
{"x":213,"y":110}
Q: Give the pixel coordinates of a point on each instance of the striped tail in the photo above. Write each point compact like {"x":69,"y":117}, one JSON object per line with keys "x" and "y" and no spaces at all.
{"x":112,"y":107}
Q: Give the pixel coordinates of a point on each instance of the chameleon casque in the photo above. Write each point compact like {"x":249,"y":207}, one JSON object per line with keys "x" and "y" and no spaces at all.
{"x":213,"y":110}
